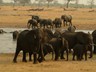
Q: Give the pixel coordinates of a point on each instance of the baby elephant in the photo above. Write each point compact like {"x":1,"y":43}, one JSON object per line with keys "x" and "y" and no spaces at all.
{"x":79,"y":50}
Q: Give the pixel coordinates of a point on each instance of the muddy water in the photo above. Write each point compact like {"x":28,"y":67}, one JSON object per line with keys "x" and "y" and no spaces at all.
{"x":8,"y":45}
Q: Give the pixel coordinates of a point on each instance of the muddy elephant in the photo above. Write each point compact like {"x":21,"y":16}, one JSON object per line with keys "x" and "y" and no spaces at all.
{"x":57,"y":22}
{"x":66,"y":19}
{"x":32,"y":42}
{"x":33,"y":23}
{"x":59,"y":45}
{"x":79,"y":50}
{"x":15,"y":34}
{"x":78,"y":37}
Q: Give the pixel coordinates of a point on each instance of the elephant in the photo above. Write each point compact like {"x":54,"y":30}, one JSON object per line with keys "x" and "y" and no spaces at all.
{"x":32,"y":42}
{"x":59,"y":45}
{"x":78,"y":37}
{"x":94,"y":40}
{"x":57,"y":22}
{"x":67,"y":18}
{"x":2,"y":31}
{"x":79,"y":50}
{"x":15,"y":34}
{"x":45,"y":23}
{"x":33,"y":23}
{"x":36,"y":18}
{"x":71,"y":28}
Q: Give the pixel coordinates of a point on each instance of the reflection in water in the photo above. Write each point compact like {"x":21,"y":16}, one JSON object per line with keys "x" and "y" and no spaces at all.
{"x":7,"y":45}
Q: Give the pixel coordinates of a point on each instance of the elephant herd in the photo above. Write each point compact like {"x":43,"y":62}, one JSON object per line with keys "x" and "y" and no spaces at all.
{"x":41,"y":41}
{"x":37,"y":22}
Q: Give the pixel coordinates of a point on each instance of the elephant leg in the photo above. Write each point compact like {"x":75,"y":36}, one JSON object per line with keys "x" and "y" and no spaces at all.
{"x":70,"y":23}
{"x":86,"y":55}
{"x":42,"y":53}
{"x":30,"y":58}
{"x":24,"y":57}
{"x":74,"y":56}
{"x":35,"y":58}
{"x":82,"y":56}
{"x":67,"y":54}
{"x":16,"y":54}
{"x":66,"y":23}
{"x":69,"y":50}
{"x":91,"y":53}
{"x":62,"y":55}
{"x":56,"y":56}
{"x":94,"y":50}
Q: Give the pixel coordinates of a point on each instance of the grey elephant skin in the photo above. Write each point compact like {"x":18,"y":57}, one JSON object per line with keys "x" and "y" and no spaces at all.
{"x":32,"y":42}
{"x":66,"y":19}
{"x":78,"y":38}
{"x":59,"y":45}
{"x":57,"y":22}
{"x":33,"y":23}
{"x":94,"y":40}
{"x":78,"y":51}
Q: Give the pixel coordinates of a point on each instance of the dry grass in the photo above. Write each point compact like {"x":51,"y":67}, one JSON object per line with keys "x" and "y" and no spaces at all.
{"x":82,"y":18}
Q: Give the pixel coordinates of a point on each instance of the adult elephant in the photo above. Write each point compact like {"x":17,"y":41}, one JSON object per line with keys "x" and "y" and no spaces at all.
{"x":94,"y":40}
{"x":78,"y":37}
{"x":32,"y":42}
{"x":57,"y":22}
{"x":59,"y":45}
{"x":33,"y":23}
{"x":66,"y":19}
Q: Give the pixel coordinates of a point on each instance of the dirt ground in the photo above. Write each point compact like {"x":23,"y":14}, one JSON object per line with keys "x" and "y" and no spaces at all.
{"x":18,"y":16}
{"x":6,"y":65}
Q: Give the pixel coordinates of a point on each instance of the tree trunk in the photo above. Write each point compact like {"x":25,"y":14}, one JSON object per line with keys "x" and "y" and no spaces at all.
{"x":67,"y":4}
